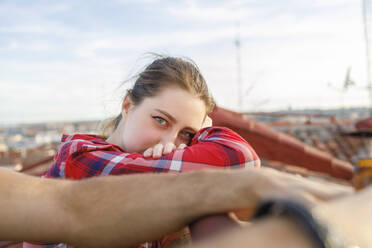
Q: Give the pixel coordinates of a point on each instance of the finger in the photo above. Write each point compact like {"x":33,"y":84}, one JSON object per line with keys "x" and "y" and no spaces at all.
{"x":326,"y":191}
{"x":169,"y":147}
{"x":321,"y":191}
{"x":181,"y":146}
{"x":148,"y":152}
{"x":158,"y":151}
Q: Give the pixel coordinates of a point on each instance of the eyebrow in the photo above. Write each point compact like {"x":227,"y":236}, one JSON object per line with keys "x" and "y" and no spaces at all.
{"x":173,"y":119}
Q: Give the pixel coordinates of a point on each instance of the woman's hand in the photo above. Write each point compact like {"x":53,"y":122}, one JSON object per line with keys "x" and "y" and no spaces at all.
{"x":159,"y":149}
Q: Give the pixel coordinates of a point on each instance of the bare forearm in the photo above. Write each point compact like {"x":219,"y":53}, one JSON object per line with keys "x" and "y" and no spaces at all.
{"x":116,"y":210}
{"x":29,"y":208}
{"x":128,"y":210}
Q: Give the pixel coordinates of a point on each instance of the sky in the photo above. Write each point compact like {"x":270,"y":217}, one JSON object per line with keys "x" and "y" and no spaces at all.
{"x":67,"y":60}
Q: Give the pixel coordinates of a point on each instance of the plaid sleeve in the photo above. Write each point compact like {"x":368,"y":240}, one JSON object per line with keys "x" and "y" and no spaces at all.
{"x":213,"y":147}
{"x":218,"y":147}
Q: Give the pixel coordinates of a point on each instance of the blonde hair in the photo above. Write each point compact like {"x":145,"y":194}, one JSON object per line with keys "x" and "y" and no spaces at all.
{"x":164,"y":72}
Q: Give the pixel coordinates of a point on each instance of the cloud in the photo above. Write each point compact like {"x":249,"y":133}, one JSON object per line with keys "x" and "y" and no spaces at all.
{"x":195,"y":12}
{"x":136,"y":1}
{"x":35,"y":46}
{"x":153,"y":41}
{"x":28,"y":9}
{"x":332,"y":3}
{"x":36,"y":18}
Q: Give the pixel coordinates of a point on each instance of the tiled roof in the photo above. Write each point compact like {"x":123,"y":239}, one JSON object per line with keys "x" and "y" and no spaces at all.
{"x":330,"y":139}
{"x":271,"y":144}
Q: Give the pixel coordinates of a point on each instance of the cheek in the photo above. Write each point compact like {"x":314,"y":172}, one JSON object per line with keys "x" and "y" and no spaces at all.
{"x":139,"y":137}
{"x":148,"y":137}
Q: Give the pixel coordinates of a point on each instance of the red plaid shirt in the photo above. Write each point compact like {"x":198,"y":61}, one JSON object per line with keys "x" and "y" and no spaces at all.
{"x":83,"y":155}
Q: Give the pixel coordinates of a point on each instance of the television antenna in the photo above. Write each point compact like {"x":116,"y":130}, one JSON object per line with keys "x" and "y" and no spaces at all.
{"x":366,"y":7}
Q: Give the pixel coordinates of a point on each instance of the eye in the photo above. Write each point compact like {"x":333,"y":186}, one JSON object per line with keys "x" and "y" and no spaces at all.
{"x":160,"y":120}
{"x":188,"y":135}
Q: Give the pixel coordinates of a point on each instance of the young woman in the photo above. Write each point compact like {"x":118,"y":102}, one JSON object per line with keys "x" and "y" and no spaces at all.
{"x":163,"y":127}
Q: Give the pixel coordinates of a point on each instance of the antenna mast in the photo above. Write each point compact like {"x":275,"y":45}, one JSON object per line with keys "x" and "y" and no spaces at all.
{"x":366,"y":8}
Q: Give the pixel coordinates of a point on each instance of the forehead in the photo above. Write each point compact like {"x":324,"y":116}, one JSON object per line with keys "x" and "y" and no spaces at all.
{"x":180,"y":104}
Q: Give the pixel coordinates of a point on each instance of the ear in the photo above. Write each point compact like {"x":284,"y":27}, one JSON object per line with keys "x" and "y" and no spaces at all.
{"x":127,"y":103}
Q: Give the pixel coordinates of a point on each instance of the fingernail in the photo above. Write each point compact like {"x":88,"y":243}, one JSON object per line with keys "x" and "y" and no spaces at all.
{"x":156,"y":155}
{"x":167,"y":150}
{"x":147,"y":153}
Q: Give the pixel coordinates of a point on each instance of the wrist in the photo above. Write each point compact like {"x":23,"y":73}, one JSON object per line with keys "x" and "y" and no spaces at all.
{"x":209,"y":191}
{"x":228,"y":190}
{"x":216,"y":191}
